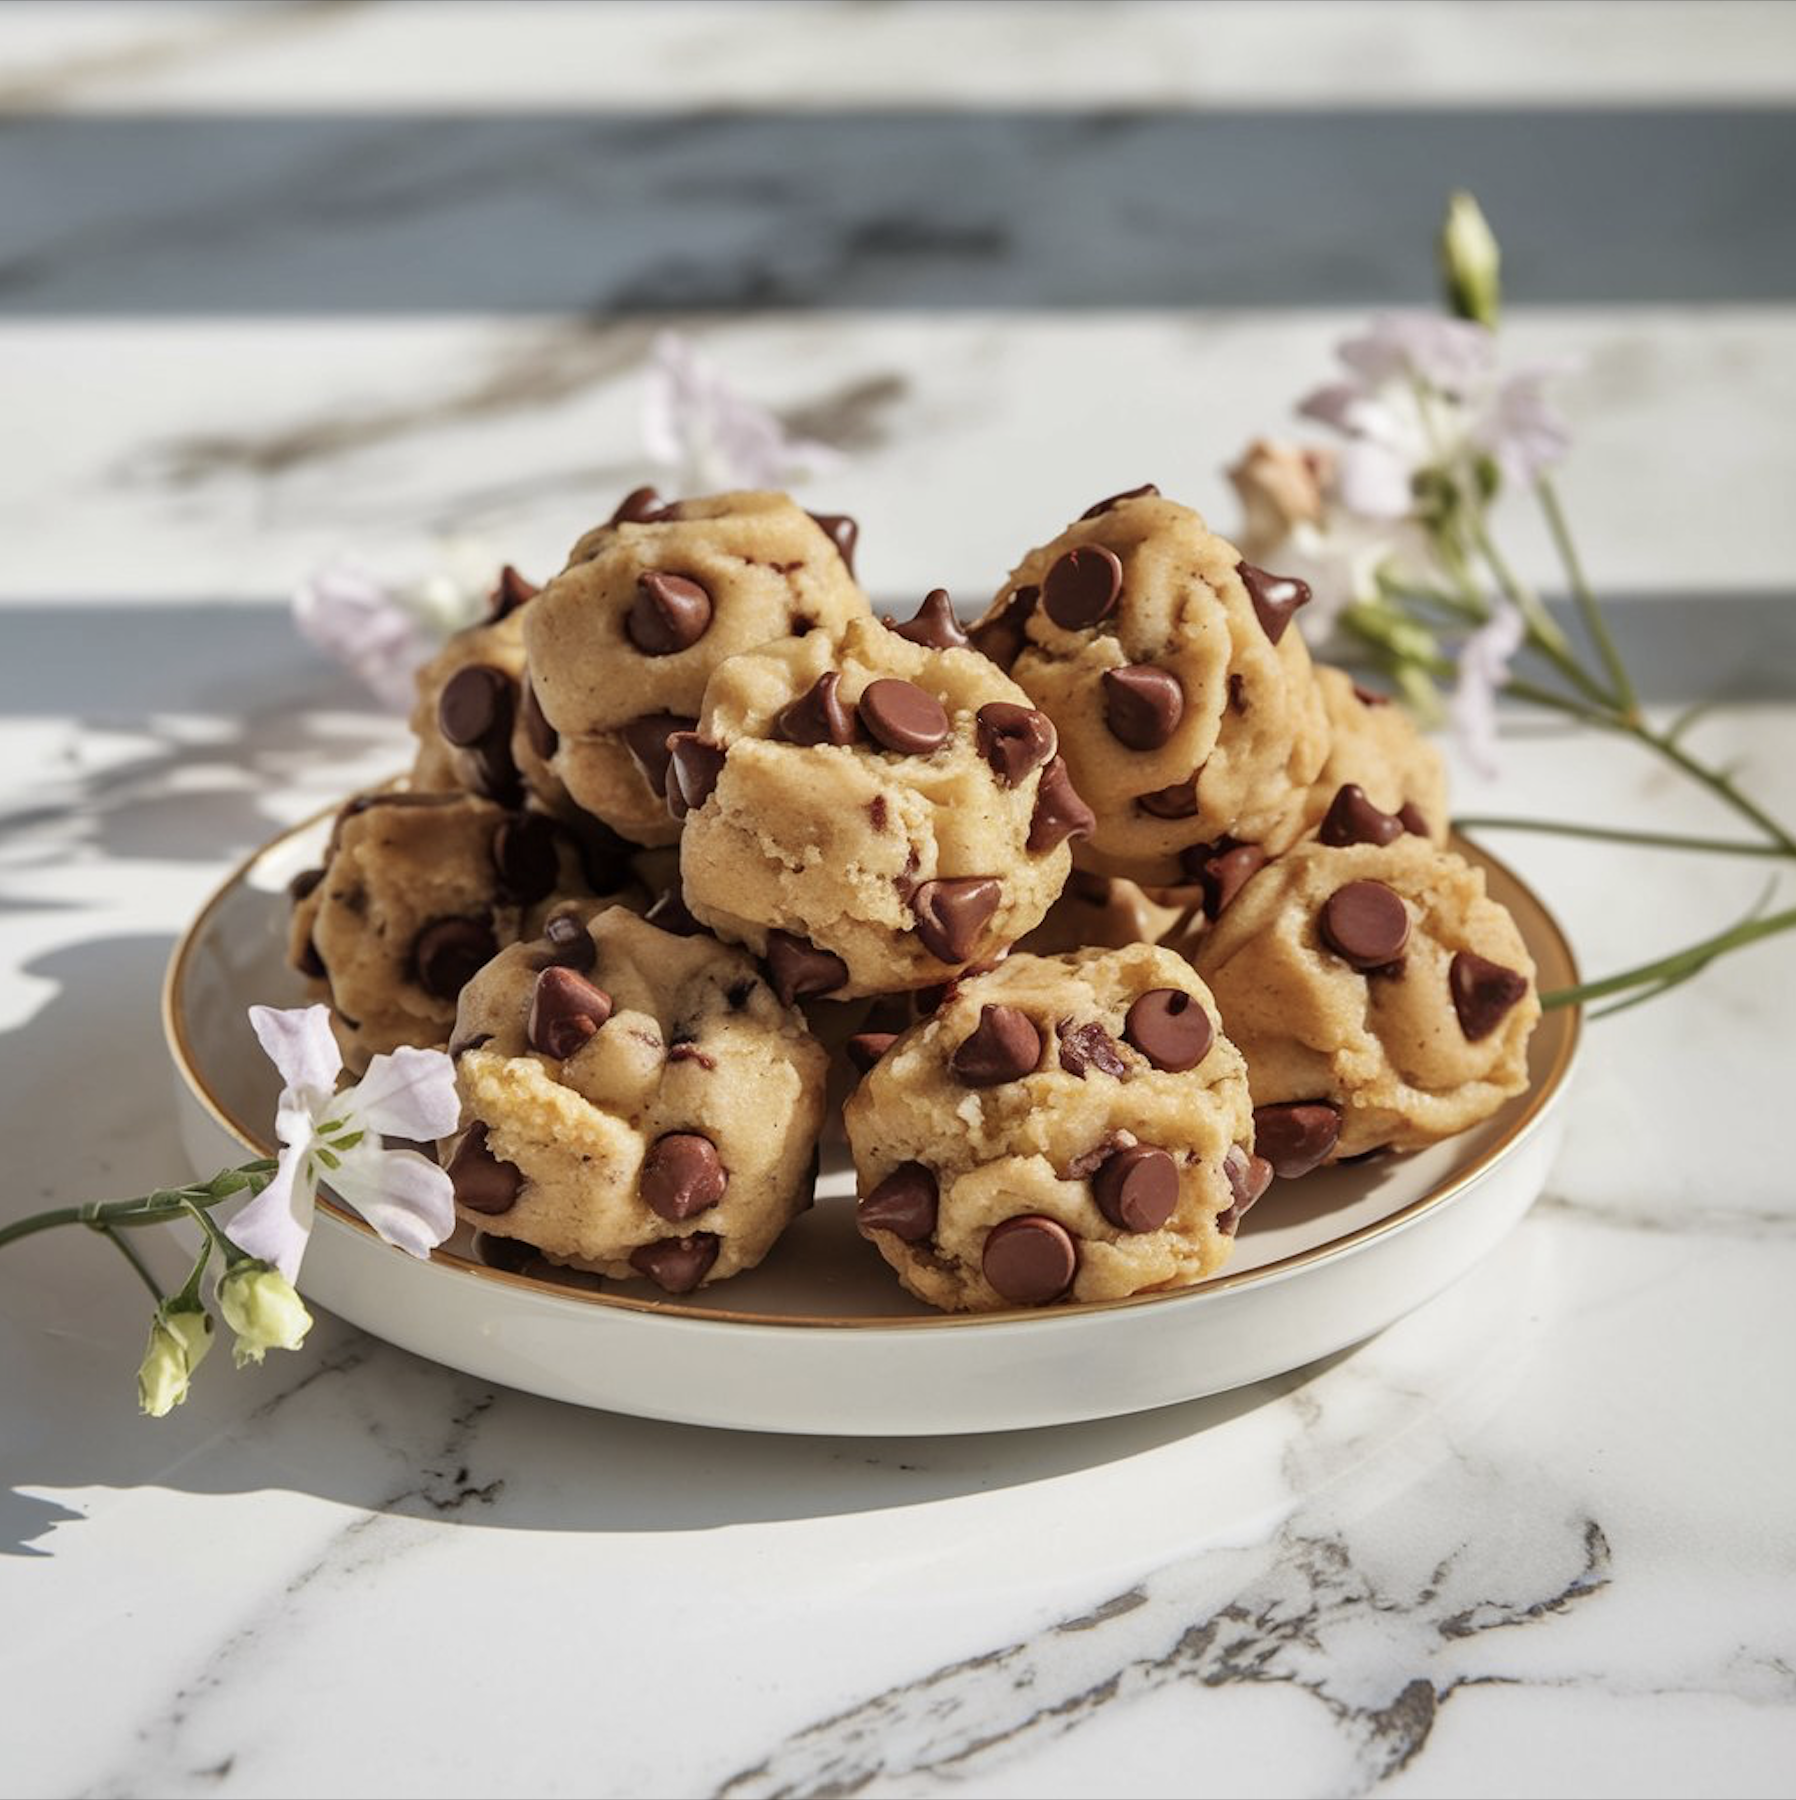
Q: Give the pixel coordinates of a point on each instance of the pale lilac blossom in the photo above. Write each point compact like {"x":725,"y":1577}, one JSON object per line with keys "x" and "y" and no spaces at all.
{"x":337,"y":1138}
{"x":1483,"y":671}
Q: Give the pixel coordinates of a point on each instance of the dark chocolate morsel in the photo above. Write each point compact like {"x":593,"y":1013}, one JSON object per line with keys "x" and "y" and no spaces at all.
{"x":951,"y":912}
{"x":1222,"y":869}
{"x":1365,"y":923}
{"x":1483,"y":992}
{"x":904,"y":1204}
{"x":1137,"y":1188}
{"x":865,"y":1048}
{"x":1170,"y":1028}
{"x":1409,"y":816}
{"x":1089,"y":1046}
{"x":677,"y":1265}
{"x":1082,"y":587}
{"x":646,"y":740}
{"x":641,"y":506}
{"x":1179,"y":801}
{"x":510,"y":1254}
{"x":483,"y":1183}
{"x":570,"y":945}
{"x":818,"y":716}
{"x":1029,"y":1260}
{"x":901,"y":716}
{"x":670,"y":613}
{"x":303,"y":883}
{"x":525,"y":857}
{"x":670,"y":914}
{"x":1142,"y":705}
{"x":539,"y":734}
{"x":694,"y":765}
{"x":1249,"y":1177}
{"x":1014,"y":739}
{"x":798,"y":970}
{"x":1000,"y":636}
{"x":565,"y":1011}
{"x":310,"y":963}
{"x":935,"y":626}
{"x":510,"y":592}
{"x":1059,"y":812}
{"x":1353,"y":819}
{"x":1275,"y":598}
{"x":475,"y":706}
{"x":1296,"y":1136}
{"x":448,"y":953}
{"x":682,"y":1175}
{"x":1004,"y":1046}
{"x":841,"y":531}
{"x":1103,"y":506}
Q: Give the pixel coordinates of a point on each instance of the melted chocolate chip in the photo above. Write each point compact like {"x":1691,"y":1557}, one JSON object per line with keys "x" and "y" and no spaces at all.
{"x":475,"y":705}
{"x":900,"y":716}
{"x":1082,"y":587}
{"x":1222,"y":869}
{"x":641,"y":506}
{"x":904,"y":1204}
{"x":449,"y":953}
{"x":1004,"y":1046}
{"x":539,"y":734}
{"x":677,"y":1265}
{"x":1014,"y":739}
{"x":483,"y":1183}
{"x":1029,"y":1260}
{"x":865,"y":1048}
{"x":511,"y":592}
{"x":569,"y":945}
{"x":1000,"y":636}
{"x":799,"y":970}
{"x":818,"y":716}
{"x":1170,"y":1028}
{"x":694,"y":766}
{"x":1179,"y":801}
{"x":950,"y":914}
{"x":1103,"y":506}
{"x":670,"y":613}
{"x":566,"y":1010}
{"x":1409,"y":816}
{"x":682,"y":1175}
{"x":1297,"y":1136}
{"x":1483,"y":992}
{"x":935,"y":626}
{"x":1275,"y":598}
{"x":525,"y":858}
{"x":841,"y":531}
{"x":1059,"y":812}
{"x":1142,"y":705}
{"x":1365,"y":923}
{"x":1137,"y":1189}
{"x":1353,"y":819}
{"x":646,"y":740}
{"x":1089,"y":1046}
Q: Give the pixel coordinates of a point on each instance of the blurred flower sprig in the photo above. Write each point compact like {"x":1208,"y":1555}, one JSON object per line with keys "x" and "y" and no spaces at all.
{"x":1391,"y":527}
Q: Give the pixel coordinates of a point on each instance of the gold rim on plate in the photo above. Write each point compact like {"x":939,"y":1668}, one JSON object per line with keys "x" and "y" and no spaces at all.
{"x":175,"y":1031}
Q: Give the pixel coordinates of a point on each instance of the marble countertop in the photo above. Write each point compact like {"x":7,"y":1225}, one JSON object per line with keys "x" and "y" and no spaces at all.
{"x":1537,"y":1537}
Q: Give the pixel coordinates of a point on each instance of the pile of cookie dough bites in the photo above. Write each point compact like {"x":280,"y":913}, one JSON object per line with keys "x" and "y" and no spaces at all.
{"x":1105,"y":911}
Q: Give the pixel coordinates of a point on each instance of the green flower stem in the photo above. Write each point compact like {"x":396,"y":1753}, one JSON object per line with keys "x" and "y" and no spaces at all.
{"x":147,"y":1209}
{"x":1594,"y":621}
{"x":1669,"y":969}
{"x":127,"y":1250}
{"x":1613,"y":834}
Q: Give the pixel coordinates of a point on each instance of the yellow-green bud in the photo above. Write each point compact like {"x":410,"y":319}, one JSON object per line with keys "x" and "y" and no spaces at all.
{"x":264,"y":1309}
{"x":180,"y":1336}
{"x":1470,"y":262}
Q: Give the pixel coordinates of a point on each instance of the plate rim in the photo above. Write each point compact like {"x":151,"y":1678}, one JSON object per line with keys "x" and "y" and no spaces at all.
{"x":1539,"y":1100}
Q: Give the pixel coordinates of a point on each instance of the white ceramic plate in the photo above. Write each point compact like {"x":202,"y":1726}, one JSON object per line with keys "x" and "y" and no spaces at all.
{"x":820,"y":1338}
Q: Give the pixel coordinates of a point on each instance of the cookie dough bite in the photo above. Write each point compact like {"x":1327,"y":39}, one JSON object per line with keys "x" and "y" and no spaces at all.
{"x":635,"y":1103}
{"x":1381,"y":998}
{"x":1180,"y":686}
{"x":621,"y":643}
{"x":1377,"y":758}
{"x":417,"y":892}
{"x":872,"y":813}
{"x":1065,"y":1128}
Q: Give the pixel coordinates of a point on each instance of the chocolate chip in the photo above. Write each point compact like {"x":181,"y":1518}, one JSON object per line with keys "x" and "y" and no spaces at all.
{"x":1170,"y":1028}
{"x":1082,"y":587}
{"x":1103,"y":506}
{"x":510,"y":1254}
{"x":1353,"y":819}
{"x":865,"y":1048}
{"x":646,"y":740}
{"x":695,"y":763}
{"x":511,"y":592}
{"x":1366,"y":697}
{"x":1248,"y":1178}
{"x":1094,"y":890}
{"x":950,"y":914}
{"x":1142,"y":705}
{"x":1004,"y":1046}
{"x":541,"y":736}
{"x":879,"y":814}
{"x":570,"y":946}
{"x":935,"y":626}
{"x":1297,"y":1136}
{"x":1365,"y":923}
{"x":1238,"y":693}
{"x":799,"y":970}
{"x":1059,"y":812}
{"x":475,"y":705}
{"x":1089,"y":1046}
{"x":818,"y":716}
{"x":1088,"y":1162}
{"x":682,"y":1175}
{"x":1029,"y":1260}
{"x":670,"y":914}
{"x":1222,"y":869}
{"x":1409,"y":816}
{"x":904,"y":1204}
{"x":1275,"y":598}
{"x":449,"y":953}
{"x":1013,"y":739}
{"x":483,"y":1183}
{"x":902,"y":717}
{"x":841,"y":531}
{"x":641,"y":506}
{"x":303,"y":883}
{"x":670,"y":613}
{"x":1137,"y":1189}
{"x":310,"y":963}
{"x":1179,"y":801}
{"x":1483,"y":992}
{"x":677,"y":1265}
{"x":604,"y":856}
{"x":1000,"y":638}
{"x":525,"y":857}
{"x":565,"y":1011}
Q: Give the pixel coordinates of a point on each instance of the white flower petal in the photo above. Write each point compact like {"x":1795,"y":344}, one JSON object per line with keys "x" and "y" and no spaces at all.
{"x":1452,"y":355}
{"x":356,"y":619}
{"x":1483,"y":669}
{"x":276,"y":1224}
{"x":403,"y":1195}
{"x":300,"y":1044}
{"x":409,"y":1094}
{"x":1373,"y":480}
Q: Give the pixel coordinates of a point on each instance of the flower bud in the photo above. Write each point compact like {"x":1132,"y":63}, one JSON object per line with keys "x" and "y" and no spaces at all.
{"x":180,"y":1336}
{"x":264,"y":1309}
{"x":1469,"y":262}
